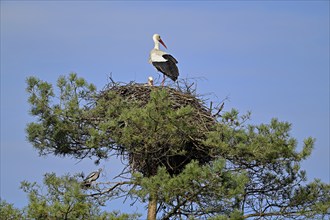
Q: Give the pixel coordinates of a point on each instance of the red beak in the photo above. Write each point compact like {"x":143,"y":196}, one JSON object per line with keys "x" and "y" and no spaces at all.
{"x":160,"y":41}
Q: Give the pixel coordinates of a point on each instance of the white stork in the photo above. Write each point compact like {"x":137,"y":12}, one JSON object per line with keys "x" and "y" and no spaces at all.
{"x":92,"y":177}
{"x":163,"y":61}
{"x":150,"y":81}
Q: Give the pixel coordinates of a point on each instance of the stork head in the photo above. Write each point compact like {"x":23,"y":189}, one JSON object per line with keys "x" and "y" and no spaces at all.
{"x":150,"y":81}
{"x":157,"y":38}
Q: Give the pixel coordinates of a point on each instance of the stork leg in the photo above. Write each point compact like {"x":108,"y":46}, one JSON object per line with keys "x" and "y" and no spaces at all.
{"x":163,"y":80}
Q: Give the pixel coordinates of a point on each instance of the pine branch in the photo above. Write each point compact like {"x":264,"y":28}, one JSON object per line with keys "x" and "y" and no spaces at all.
{"x":111,"y":188}
{"x":267,"y":214}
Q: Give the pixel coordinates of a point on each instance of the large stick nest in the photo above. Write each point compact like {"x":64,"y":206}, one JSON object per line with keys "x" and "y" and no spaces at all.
{"x":161,"y":152}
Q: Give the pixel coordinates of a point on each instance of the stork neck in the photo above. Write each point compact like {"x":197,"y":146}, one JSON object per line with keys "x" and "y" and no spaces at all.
{"x":156,"y":45}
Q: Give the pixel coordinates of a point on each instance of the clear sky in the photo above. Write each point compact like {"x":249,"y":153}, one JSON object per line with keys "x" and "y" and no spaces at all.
{"x":269,"y":57}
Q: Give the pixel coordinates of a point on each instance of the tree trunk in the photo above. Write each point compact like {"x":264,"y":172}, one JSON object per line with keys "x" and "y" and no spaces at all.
{"x":152,"y":207}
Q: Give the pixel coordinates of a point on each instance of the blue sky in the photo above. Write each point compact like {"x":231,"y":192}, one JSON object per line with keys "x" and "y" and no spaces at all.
{"x":271,"y":58}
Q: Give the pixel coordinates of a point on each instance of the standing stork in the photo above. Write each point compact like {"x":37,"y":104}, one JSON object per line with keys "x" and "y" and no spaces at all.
{"x":164,"y":62}
{"x":92,"y":177}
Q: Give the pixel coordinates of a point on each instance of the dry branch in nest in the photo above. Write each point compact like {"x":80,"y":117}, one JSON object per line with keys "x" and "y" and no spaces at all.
{"x":146,"y":157}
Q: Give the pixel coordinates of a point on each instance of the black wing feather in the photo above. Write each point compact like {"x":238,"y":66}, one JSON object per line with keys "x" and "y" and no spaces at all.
{"x":170,"y":58}
{"x":169,"y":67}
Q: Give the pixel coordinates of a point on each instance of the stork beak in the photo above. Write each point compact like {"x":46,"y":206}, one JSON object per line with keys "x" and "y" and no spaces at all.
{"x":160,"y":41}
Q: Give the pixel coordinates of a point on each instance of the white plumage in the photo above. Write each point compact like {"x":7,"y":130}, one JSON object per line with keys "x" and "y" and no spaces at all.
{"x":157,"y":56}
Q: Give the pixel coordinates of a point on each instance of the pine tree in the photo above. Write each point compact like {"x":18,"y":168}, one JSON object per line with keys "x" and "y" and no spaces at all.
{"x":8,"y":211}
{"x":59,"y":198}
{"x":185,"y":159}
